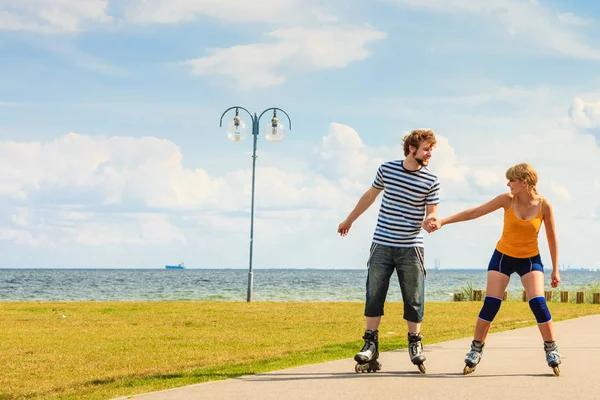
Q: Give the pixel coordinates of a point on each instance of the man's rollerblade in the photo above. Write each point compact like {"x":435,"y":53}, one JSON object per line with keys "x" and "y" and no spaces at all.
{"x":366,"y":359}
{"x":415,"y":350}
{"x":552,"y":356}
{"x":473,"y":357}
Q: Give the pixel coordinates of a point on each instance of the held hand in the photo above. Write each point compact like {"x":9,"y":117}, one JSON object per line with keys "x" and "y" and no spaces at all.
{"x":555,"y":279}
{"x":431,"y":224}
{"x":344,"y":228}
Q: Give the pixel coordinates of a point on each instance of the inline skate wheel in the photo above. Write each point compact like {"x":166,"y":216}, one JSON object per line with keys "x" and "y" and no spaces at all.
{"x":467,"y":370}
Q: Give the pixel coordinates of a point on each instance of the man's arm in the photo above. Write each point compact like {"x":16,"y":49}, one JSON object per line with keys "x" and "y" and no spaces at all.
{"x":363,"y":204}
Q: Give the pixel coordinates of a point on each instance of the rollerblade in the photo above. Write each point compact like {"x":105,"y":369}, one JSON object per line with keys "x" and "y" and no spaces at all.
{"x":415,"y":350}
{"x":473,"y":357}
{"x":552,"y":356}
{"x":366,"y":359}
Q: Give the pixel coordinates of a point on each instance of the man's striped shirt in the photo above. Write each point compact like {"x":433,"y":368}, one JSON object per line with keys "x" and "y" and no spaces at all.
{"x":403,"y":207}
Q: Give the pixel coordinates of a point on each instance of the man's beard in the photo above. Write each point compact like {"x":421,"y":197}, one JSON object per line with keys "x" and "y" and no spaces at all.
{"x":420,"y":161}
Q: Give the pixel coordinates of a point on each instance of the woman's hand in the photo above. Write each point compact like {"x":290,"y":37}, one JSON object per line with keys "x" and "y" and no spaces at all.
{"x":555,"y":278}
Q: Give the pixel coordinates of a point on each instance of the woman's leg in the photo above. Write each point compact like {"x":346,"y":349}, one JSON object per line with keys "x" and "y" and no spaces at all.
{"x":533,"y":283}
{"x":496,"y":285}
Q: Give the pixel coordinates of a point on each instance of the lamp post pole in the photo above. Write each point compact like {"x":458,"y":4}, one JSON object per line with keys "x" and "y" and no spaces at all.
{"x":275,"y":132}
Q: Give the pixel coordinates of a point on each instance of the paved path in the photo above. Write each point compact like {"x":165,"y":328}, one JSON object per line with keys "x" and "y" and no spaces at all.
{"x":513,"y":366}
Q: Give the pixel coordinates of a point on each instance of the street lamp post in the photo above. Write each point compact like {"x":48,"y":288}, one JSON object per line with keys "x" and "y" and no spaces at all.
{"x":237,"y":130}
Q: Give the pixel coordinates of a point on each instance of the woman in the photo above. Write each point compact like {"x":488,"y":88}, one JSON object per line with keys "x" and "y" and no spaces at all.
{"x":516,"y":251}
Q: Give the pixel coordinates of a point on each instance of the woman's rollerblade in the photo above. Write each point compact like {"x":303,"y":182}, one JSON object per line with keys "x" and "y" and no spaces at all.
{"x":473,"y":357}
{"x":366,"y":359}
{"x":415,"y":350}
{"x":552,"y":356}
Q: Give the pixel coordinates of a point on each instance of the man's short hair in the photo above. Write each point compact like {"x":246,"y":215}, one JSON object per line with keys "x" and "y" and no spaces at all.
{"x":416,"y":137}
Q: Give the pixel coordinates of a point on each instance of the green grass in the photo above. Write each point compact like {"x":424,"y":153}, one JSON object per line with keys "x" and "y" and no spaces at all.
{"x":104,"y":350}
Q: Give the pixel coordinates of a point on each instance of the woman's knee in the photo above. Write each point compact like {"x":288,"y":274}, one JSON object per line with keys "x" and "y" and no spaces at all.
{"x":539,"y":307}
{"x":490,"y":308}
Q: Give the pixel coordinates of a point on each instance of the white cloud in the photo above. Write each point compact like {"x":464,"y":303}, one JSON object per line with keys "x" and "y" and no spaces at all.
{"x":585,"y":114}
{"x":572,"y":19}
{"x":108,"y":171}
{"x":24,"y":237}
{"x":246,"y":66}
{"x":21,"y":216}
{"x":323,"y":17}
{"x":342,"y":153}
{"x":266,"y":64}
{"x":527,"y":20}
{"x":52,"y":16}
{"x":95,"y":192}
{"x":444,"y":162}
{"x":125,"y":191}
{"x":559,"y":191}
{"x":67,"y":16}
{"x":234,"y":11}
{"x":51,"y":227}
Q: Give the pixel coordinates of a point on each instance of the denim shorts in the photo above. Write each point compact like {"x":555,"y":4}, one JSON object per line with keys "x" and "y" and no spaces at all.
{"x":507,"y":265}
{"x":410,"y":268}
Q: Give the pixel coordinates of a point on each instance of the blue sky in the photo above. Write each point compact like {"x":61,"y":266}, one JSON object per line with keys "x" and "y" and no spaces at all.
{"x":112,"y":155}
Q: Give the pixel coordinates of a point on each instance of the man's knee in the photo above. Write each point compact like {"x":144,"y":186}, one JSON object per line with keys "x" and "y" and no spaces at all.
{"x":374,"y":303}
{"x":414,"y":311}
{"x":540,"y":309}
{"x":490,"y":308}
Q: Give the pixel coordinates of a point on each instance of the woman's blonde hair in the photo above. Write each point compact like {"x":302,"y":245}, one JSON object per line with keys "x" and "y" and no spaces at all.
{"x":524,"y":172}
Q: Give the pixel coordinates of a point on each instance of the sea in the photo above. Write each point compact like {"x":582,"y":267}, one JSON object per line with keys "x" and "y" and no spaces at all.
{"x":276,"y":285}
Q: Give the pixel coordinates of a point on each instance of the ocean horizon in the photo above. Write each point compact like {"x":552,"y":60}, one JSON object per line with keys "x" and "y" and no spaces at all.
{"x":230,"y":284}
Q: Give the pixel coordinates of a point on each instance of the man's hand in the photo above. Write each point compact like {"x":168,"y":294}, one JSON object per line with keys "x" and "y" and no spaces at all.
{"x":431,"y":224}
{"x":344,"y":227}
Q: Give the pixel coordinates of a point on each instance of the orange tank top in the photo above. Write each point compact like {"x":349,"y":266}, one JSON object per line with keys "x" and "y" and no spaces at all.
{"x":520,"y":237}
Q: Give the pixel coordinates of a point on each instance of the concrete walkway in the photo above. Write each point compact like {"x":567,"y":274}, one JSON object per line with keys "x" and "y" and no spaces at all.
{"x":513,"y":366}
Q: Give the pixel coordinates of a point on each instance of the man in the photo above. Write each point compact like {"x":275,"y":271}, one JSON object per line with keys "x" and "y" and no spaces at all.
{"x":410,"y":194}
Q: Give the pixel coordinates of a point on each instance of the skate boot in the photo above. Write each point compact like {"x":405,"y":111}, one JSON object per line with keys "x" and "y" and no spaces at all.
{"x":366,"y":359}
{"x":552,"y":356}
{"x":415,"y":350}
{"x":473,"y":357}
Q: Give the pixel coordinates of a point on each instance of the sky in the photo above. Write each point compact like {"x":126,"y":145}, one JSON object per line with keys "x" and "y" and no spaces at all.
{"x":111,"y":154}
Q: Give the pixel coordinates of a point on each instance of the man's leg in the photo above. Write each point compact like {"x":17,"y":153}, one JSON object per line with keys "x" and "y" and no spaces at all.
{"x":373,"y":323}
{"x":411,"y":276}
{"x":381,"y":267}
{"x":413,"y":326}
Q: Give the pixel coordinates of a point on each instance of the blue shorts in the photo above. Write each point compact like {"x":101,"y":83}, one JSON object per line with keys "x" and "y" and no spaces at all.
{"x":507,"y":264}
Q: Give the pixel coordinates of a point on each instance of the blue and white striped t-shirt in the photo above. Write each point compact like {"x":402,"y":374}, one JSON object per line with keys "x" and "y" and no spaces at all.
{"x":403,"y":207}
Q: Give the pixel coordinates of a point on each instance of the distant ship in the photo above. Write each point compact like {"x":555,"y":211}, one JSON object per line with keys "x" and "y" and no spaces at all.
{"x":178,"y":266}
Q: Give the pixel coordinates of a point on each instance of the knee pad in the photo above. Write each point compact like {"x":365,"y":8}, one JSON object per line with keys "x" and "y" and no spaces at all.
{"x":540,"y":309}
{"x":490,"y":308}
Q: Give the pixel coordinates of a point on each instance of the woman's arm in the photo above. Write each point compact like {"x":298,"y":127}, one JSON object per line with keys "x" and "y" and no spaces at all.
{"x":474,"y":213}
{"x":548,"y":215}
